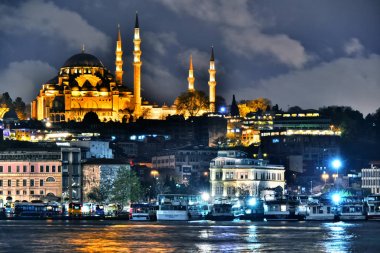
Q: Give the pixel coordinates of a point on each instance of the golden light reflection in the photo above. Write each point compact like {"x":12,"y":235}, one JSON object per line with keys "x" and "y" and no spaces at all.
{"x":120,"y":238}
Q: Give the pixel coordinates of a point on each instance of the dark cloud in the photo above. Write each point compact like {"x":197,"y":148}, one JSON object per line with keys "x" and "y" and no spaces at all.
{"x":307,"y":53}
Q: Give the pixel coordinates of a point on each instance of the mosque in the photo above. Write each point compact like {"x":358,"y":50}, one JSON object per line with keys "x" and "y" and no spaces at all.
{"x":84,"y":85}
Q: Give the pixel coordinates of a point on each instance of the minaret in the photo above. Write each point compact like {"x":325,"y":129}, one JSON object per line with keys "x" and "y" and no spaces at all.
{"x":119,"y":59}
{"x":212,"y":82}
{"x":137,"y":69}
{"x":191,"y":78}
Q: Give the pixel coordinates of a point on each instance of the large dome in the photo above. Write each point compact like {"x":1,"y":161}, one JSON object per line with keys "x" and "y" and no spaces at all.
{"x":83,"y":60}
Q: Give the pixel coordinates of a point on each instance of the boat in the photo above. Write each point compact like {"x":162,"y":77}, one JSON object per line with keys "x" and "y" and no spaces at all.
{"x":281,"y":208}
{"x":179,"y":207}
{"x":351,"y":208}
{"x":372,"y":206}
{"x":221,"y":212}
{"x":143,"y":212}
{"x":321,"y":209}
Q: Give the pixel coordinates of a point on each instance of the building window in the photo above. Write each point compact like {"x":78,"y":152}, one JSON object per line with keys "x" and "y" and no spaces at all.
{"x":41,"y":182}
{"x":9,"y":169}
{"x":47,"y":168}
{"x":9,"y":192}
{"x":41,"y":192}
{"x":24,"y":168}
{"x":1,"y":169}
{"x":24,"y":182}
{"x":18,"y":168}
{"x":41,"y":168}
{"x":53,"y":168}
{"x":1,"y":192}
{"x":31,"y":182}
{"x":229,"y":175}
{"x":50,"y":179}
{"x":9,"y":183}
{"x":31,"y":168}
{"x":31,"y":192}
{"x":17,"y":182}
{"x":17,"y":192}
{"x":1,"y":182}
{"x":59,"y":168}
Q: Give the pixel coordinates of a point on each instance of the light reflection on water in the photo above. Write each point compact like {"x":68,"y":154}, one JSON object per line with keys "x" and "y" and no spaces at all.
{"x":338,"y":238}
{"x":126,"y":236}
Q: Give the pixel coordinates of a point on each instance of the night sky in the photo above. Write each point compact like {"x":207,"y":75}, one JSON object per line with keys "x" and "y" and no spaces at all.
{"x":295,"y":52}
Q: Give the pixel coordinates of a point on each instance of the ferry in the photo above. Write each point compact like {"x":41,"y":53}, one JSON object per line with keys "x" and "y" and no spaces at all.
{"x":372,"y":204}
{"x":351,"y":208}
{"x":221,"y":212}
{"x":281,"y":208}
{"x":320,"y":209}
{"x":178,"y":207}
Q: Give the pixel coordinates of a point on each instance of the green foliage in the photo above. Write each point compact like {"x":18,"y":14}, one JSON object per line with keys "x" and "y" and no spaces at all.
{"x":192,"y":102}
{"x":126,"y":187}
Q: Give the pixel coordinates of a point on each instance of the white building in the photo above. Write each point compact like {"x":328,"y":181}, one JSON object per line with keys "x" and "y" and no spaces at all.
{"x":371,"y":178}
{"x":233,"y":174}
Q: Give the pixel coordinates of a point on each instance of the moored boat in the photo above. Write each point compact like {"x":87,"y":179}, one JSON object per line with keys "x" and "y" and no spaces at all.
{"x":372,"y":206}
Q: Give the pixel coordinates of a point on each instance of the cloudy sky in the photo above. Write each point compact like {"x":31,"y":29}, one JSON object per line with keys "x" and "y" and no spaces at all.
{"x":294,"y":52}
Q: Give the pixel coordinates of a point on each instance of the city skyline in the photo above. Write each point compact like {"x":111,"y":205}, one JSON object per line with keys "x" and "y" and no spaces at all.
{"x":293,"y":53}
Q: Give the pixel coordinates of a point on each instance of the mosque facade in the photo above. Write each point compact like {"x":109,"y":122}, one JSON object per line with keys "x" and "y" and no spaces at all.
{"x":84,"y":85}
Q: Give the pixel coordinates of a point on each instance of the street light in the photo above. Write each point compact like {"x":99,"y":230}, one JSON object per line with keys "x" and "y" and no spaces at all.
{"x":336,"y":164}
{"x":325,"y":176}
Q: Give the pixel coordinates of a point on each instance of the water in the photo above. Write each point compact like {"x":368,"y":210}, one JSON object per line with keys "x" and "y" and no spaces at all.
{"x":203,"y":236}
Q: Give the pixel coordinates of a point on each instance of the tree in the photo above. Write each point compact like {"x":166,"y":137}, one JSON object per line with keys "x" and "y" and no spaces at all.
{"x":190,"y":103}
{"x":91,"y":118}
{"x":6,"y":101}
{"x":19,"y":107}
{"x":96,"y":195}
{"x":294,"y":109}
{"x":234,"y":111}
{"x":126,"y":187}
{"x":259,"y":104}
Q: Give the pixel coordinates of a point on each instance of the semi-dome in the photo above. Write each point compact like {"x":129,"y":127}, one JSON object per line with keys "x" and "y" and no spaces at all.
{"x":83,"y":60}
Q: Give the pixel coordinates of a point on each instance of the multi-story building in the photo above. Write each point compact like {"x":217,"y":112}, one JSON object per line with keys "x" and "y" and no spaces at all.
{"x":71,"y":174}
{"x":185,"y":163}
{"x":97,"y":172}
{"x":371,"y":178}
{"x":233,"y":174}
{"x":305,"y":141}
{"x":30,"y":175}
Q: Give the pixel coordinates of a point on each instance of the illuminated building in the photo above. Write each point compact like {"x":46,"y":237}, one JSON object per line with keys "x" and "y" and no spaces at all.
{"x":305,"y":140}
{"x":30,"y":175}
{"x":233,"y":174}
{"x":371,"y":178}
{"x":84,"y":85}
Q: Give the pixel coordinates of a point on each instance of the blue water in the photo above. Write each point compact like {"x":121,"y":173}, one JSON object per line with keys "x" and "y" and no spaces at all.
{"x":202,"y":236}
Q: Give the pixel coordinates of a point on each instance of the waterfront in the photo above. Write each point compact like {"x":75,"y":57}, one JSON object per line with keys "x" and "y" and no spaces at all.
{"x":202,"y":236}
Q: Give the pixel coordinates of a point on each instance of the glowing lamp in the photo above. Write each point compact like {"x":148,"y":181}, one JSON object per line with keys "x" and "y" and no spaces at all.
{"x":336,"y":198}
{"x":205,"y":196}
{"x":336,"y":164}
{"x":252,"y":202}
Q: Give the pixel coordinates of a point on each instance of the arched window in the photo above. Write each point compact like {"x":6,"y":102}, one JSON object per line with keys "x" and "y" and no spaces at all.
{"x":50,"y":179}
